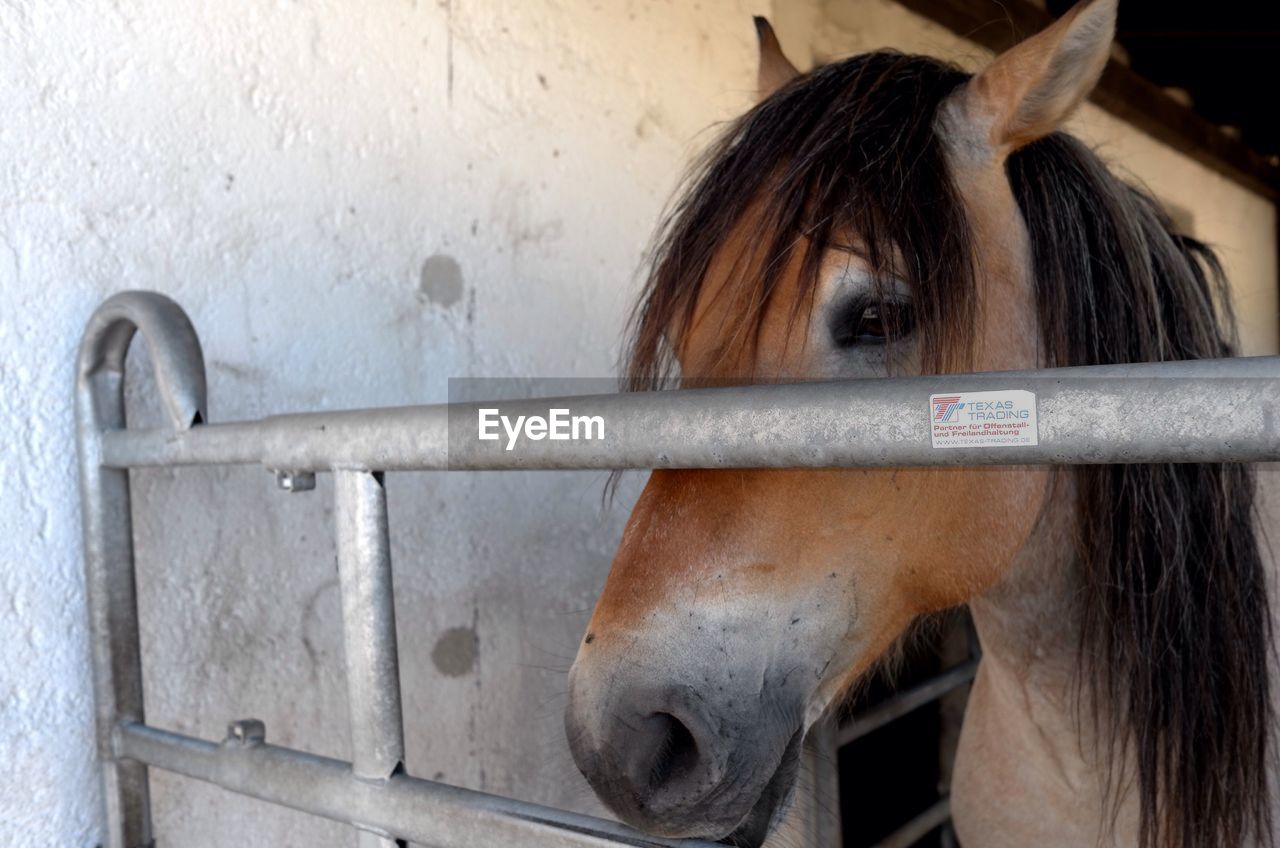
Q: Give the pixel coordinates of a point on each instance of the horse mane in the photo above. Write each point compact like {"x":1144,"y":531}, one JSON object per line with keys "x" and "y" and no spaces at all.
{"x":1176,"y":634}
{"x":1176,"y":624}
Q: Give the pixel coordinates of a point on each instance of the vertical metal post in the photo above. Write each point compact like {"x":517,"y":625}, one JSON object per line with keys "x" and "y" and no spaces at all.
{"x":369,"y":633}
{"x":113,"y":629}
{"x":108,"y":526}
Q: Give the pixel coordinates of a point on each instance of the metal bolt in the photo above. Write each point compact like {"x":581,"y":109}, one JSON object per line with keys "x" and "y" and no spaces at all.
{"x":246,"y":732}
{"x":296,"y":481}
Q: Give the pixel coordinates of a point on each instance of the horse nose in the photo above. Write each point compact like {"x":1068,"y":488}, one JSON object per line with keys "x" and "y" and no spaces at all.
{"x":661,"y":753}
{"x":652,"y":761}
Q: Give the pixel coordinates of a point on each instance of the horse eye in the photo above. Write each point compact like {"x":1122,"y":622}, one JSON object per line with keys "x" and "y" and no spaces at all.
{"x":871,"y":323}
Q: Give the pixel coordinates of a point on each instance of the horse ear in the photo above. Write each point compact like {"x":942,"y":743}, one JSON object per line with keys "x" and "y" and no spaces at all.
{"x":1029,"y":90}
{"x":775,"y":70}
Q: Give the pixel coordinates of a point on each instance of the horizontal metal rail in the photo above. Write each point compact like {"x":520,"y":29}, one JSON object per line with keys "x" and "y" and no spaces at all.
{"x":932,"y":817}
{"x":901,"y":703}
{"x":420,"y":811}
{"x":1203,"y":411}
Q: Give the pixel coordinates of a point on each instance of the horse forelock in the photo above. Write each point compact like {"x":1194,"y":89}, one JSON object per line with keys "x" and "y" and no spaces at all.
{"x":848,"y":151}
{"x":1175,"y":643}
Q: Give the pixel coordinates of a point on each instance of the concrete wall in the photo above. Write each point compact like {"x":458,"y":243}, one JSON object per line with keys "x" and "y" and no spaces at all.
{"x":356,"y":202}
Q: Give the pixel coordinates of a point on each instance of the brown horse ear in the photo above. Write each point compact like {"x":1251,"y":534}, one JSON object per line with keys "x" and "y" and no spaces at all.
{"x":1029,"y":90}
{"x":775,"y":70}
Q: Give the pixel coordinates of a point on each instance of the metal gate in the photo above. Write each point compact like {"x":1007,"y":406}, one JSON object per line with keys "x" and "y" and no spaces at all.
{"x":1135,"y":413}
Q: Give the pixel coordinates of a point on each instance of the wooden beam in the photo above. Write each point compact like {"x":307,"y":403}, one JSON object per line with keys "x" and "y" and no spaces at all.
{"x":1125,"y":94}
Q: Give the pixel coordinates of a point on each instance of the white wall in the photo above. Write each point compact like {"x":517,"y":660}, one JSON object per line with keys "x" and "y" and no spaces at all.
{"x":355,"y":201}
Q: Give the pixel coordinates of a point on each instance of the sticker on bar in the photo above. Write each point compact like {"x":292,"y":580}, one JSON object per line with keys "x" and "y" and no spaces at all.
{"x":1002,"y":419}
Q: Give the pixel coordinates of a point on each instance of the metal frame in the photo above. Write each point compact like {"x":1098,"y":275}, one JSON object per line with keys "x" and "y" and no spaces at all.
{"x":1138,"y":413}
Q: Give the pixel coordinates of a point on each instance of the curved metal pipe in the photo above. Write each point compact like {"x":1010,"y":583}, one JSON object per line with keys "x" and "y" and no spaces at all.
{"x":175,"y":353}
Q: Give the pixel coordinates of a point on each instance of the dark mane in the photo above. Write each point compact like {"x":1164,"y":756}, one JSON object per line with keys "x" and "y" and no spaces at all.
{"x":1176,"y":637}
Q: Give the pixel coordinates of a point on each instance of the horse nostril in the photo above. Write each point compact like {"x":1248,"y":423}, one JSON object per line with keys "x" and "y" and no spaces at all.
{"x":676,"y":753}
{"x":651,"y":765}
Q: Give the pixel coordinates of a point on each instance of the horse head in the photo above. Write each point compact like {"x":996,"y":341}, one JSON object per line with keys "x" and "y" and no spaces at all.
{"x":862,"y":220}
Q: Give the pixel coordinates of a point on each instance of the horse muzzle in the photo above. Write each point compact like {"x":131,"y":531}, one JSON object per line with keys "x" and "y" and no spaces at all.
{"x":715,"y":760}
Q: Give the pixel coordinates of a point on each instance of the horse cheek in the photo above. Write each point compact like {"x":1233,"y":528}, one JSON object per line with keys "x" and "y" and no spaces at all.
{"x":980,"y":520}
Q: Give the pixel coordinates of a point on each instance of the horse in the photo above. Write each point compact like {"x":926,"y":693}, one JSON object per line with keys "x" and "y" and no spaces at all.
{"x":889,"y":214}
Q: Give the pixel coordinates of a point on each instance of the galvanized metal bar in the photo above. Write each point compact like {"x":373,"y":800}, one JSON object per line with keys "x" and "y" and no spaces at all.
{"x":420,"y":811}
{"x":1221,"y":410}
{"x":919,"y":826}
{"x":108,"y":526}
{"x":901,"y":703}
{"x":369,"y":634}
{"x":1202,"y":411}
{"x":113,"y":636}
